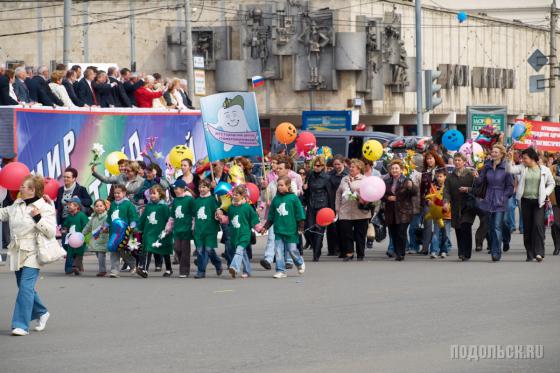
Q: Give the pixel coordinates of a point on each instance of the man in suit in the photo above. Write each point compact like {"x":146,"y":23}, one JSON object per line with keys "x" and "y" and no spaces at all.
{"x":78,"y":70}
{"x":39,"y":90}
{"x":103,"y":90}
{"x":6,"y":80}
{"x":71,"y":189}
{"x":186,"y":99}
{"x":84,"y":88}
{"x":68,"y":83}
{"x":131,"y":83}
{"x":120,"y":96}
{"x":21,"y":90}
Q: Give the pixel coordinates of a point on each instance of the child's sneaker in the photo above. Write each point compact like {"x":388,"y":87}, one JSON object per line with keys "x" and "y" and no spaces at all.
{"x":219,"y":271}
{"x":443,"y":255}
{"x":167,"y":273}
{"x":433,"y":255}
{"x":301,"y":269}
{"x":184,"y":276}
{"x":114,"y":275}
{"x":289,"y":266}
{"x":101,"y":274}
{"x":141,"y":272}
{"x":280,"y":275}
{"x":232,"y":272}
{"x":245,"y":275}
{"x":158,"y":269}
{"x":200,"y":275}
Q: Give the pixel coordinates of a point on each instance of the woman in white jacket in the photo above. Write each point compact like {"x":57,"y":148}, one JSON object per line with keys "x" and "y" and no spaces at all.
{"x":535,"y":185}
{"x":29,"y":217}
{"x":59,"y":90}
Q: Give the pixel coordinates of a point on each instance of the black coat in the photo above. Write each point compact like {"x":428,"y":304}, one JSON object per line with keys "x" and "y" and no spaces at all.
{"x":81,"y":193}
{"x":130,"y":88}
{"x":334,"y":181}
{"x":104,"y":94}
{"x":5,"y":98}
{"x":119,"y":94}
{"x":84,"y":92}
{"x":40,"y":92}
{"x":318,"y":193}
{"x":186,"y":100}
{"x":72,"y":93}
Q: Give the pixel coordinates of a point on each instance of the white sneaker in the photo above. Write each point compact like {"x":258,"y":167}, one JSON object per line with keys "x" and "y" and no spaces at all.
{"x":433,"y":255}
{"x":443,"y":255}
{"x":301,"y":269}
{"x":19,"y":332}
{"x":280,"y":275}
{"x":114,"y":275}
{"x":539,"y":258}
{"x":42,"y":322}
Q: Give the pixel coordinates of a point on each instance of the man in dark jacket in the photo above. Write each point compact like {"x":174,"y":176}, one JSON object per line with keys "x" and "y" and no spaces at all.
{"x":68,"y":83}
{"x":71,"y":189}
{"x":39,"y":90}
{"x":130,"y":84}
{"x":186,"y":99}
{"x":84,"y":88}
{"x":103,"y":90}
{"x":5,"y":81}
{"x":120,"y":97}
{"x":333,"y":230}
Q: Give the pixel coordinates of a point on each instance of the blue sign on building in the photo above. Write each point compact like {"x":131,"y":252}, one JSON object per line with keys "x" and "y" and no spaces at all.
{"x":327,"y":120}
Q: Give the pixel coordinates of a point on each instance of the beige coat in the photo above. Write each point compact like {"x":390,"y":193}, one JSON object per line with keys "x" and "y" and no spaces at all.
{"x":347,"y":208}
{"x":22,"y":250}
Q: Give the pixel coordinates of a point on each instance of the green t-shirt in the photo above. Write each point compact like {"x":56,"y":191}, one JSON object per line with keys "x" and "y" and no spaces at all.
{"x":206,"y":227}
{"x":182,"y":210}
{"x":75,"y":223}
{"x":241,"y":219}
{"x":285,"y":213}
{"x":152,"y":223}
{"x":124,"y":210}
{"x":532,"y":181}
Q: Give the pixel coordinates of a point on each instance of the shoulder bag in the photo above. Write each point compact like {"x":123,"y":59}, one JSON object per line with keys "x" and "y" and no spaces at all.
{"x":49,"y":250}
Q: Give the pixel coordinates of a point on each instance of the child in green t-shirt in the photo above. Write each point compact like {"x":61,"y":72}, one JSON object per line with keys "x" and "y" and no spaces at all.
{"x":242,"y":218}
{"x":288,"y":217}
{"x":206,"y":229}
{"x":181,"y":214}
{"x":75,"y":222}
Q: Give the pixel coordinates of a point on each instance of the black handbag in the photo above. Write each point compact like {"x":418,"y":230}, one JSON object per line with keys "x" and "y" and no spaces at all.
{"x":380,"y":228}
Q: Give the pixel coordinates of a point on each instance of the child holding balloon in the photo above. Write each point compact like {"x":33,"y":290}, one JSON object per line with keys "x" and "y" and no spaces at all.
{"x":288,"y":217}
{"x":73,"y":226}
{"x":98,"y":241}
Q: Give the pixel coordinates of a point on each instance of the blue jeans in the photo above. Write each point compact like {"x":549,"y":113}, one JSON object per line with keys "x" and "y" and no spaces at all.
{"x":441,"y":242}
{"x":390,"y":248}
{"x":512,"y":205}
{"x":28,"y":305}
{"x":241,"y":257}
{"x":69,"y":260}
{"x":281,"y":247}
{"x":205,"y":253}
{"x":495,"y":222}
{"x":414,"y":223}
{"x":271,"y":248}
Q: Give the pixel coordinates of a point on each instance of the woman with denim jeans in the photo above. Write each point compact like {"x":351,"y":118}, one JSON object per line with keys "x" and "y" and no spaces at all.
{"x":499,"y":187}
{"x":29,"y":217}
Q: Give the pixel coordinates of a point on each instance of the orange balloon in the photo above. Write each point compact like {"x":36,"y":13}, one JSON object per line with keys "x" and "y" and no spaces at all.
{"x":286,"y":133}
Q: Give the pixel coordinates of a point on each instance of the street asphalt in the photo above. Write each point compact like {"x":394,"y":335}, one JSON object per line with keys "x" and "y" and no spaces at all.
{"x":373,"y":316}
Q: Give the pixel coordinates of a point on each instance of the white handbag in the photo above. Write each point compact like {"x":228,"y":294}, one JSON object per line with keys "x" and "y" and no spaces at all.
{"x":49,"y":250}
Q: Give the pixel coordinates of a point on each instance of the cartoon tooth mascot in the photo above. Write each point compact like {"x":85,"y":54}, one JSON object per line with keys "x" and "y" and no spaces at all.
{"x":231,"y":119}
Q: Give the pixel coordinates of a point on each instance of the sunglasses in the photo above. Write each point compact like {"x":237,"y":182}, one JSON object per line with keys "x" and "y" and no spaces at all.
{"x":319,"y":165}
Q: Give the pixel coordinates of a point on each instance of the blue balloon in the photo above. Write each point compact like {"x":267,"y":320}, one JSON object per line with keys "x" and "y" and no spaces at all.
{"x":452,"y":139}
{"x":118,"y":234}
{"x":518,"y":130}
{"x":462,"y":16}
{"x":222,"y":188}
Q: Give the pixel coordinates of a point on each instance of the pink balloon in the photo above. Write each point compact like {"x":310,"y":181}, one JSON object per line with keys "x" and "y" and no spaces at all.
{"x":372,"y":188}
{"x":76,"y":240}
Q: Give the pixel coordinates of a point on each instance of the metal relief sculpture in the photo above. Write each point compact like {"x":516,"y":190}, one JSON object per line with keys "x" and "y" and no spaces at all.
{"x":314,"y":40}
{"x":394,"y":53}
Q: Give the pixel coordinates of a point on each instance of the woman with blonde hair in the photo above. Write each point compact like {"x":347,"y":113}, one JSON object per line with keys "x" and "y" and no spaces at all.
{"x":58,"y":89}
{"x":32,"y":220}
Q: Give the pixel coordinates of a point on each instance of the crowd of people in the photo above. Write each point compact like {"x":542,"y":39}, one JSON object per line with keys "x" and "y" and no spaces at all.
{"x":163,"y":214}
{"x":72,"y":88}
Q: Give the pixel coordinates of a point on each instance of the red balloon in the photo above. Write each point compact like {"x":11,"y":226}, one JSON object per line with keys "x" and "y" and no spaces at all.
{"x":253,"y":192}
{"x":305,"y":142}
{"x":325,"y":216}
{"x":13,"y":174}
{"x":51,"y":188}
{"x":361,"y":127}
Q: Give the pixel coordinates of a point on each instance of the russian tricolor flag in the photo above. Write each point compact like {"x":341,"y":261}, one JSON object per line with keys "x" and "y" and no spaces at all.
{"x":257,"y":81}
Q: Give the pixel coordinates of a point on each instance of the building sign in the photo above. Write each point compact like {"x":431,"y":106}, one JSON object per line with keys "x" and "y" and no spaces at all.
{"x":339,"y":120}
{"x":199,"y":82}
{"x":479,"y":117}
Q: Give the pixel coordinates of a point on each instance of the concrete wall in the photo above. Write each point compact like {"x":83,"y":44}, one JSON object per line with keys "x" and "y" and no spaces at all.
{"x":479,"y":42}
